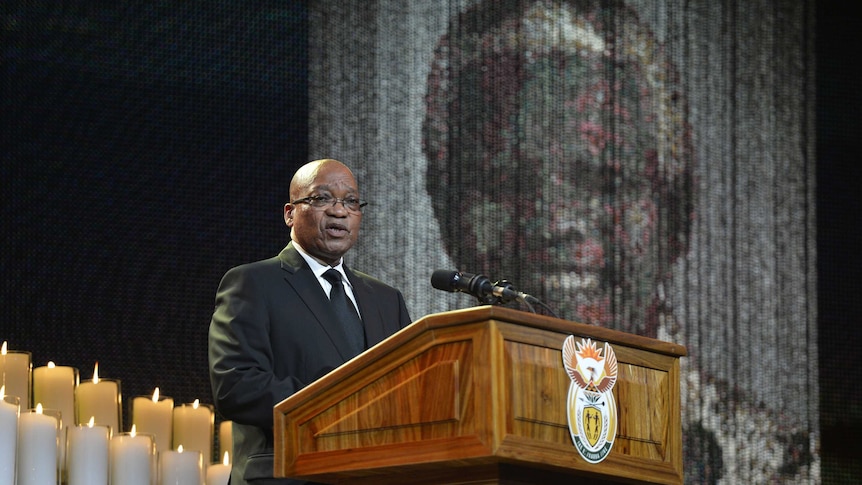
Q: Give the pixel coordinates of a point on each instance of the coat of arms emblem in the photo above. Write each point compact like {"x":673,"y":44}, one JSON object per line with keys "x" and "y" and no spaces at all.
{"x":590,"y":407}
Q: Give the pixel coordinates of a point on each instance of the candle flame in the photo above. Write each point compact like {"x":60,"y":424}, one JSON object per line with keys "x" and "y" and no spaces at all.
{"x":39,"y":408}
{"x":51,"y":364}
{"x":92,"y":422}
{"x":180,"y":449}
{"x":196,"y":404}
{"x":133,"y":432}
{"x":3,"y":349}
{"x":96,"y":374}
{"x":156,"y":395}
{"x":226,"y":459}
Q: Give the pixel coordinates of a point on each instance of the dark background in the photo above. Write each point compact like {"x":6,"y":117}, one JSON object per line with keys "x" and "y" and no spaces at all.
{"x":147,"y":147}
{"x":839,"y":239}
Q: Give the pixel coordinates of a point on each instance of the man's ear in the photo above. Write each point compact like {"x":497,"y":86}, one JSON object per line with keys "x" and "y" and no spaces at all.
{"x":288,"y":214}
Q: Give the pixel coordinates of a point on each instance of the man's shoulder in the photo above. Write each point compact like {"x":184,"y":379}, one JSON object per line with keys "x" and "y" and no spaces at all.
{"x":265,"y":268}
{"x":260,"y":265}
{"x":288,"y":258}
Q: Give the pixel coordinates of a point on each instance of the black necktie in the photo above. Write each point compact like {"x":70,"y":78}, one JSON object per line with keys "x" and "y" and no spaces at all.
{"x":346,"y":312}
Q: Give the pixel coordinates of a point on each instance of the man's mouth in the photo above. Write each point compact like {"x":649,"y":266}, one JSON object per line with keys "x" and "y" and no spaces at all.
{"x":337,"y":230}
{"x":574,"y":280}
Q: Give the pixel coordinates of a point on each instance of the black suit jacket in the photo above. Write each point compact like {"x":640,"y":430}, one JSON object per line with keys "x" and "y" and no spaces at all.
{"x":272,"y":333}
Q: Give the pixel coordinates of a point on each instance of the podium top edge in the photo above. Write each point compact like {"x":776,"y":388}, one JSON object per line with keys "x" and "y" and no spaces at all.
{"x":519,"y":317}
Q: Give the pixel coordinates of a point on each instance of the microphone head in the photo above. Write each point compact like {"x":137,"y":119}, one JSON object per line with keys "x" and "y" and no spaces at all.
{"x":444,"y":279}
{"x":473,"y":284}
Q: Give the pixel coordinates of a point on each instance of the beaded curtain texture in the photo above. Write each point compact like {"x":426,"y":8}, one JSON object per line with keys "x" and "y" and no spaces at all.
{"x":643,"y":166}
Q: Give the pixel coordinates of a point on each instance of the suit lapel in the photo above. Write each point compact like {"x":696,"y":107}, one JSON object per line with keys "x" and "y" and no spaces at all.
{"x":368,"y":307}
{"x":299,"y":276}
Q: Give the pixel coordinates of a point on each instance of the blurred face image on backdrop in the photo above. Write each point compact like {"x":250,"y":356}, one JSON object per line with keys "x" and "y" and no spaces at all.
{"x":544,"y":103}
{"x":325,"y":211}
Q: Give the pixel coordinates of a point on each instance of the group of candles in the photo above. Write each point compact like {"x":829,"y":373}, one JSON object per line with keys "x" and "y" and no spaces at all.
{"x":69,"y":432}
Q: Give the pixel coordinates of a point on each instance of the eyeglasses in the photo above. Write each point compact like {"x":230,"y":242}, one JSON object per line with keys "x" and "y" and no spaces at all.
{"x":352,"y":204}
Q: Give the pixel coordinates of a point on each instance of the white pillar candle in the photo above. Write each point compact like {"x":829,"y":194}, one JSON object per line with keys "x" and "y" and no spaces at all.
{"x":15,"y":368}
{"x":37,"y":447}
{"x":9,"y":409}
{"x":54,"y":388}
{"x":87,"y":454}
{"x":225,"y":437}
{"x":180,"y":467}
{"x":101,"y":399}
{"x":154,"y":415}
{"x":219,"y":473}
{"x":193,"y":428}
{"x":133,"y":458}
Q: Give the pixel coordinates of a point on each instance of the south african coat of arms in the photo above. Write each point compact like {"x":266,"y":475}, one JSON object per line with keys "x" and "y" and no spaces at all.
{"x":590,"y":408}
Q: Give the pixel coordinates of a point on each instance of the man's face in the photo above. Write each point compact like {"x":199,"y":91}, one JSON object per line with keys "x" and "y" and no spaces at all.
{"x":326,"y":233}
{"x":594,"y":240}
{"x":586,"y":228}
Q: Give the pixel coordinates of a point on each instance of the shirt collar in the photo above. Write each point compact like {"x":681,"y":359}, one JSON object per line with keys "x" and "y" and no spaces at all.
{"x":319,"y":268}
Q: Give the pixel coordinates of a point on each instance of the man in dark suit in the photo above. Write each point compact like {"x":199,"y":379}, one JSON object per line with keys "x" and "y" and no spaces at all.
{"x":274,"y":329}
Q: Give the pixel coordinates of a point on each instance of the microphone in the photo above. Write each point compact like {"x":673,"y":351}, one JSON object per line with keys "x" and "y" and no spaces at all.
{"x":479,"y":286}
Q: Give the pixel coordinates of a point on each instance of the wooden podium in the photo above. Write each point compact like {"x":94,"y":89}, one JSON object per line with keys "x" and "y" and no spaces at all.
{"x":479,"y":396}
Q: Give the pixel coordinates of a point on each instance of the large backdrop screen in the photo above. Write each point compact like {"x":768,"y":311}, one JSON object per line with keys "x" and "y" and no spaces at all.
{"x":644,"y":166}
